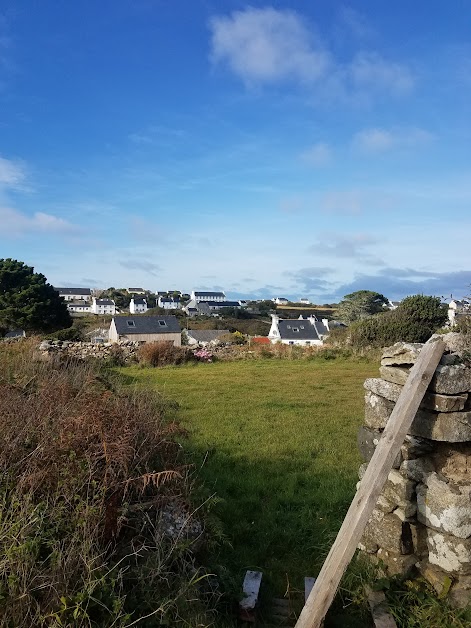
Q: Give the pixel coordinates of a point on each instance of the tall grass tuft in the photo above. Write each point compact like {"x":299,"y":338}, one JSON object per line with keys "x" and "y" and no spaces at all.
{"x":88,"y":472}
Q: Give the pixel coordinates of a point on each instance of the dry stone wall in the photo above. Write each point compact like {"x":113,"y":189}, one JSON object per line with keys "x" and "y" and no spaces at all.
{"x":423,"y":516}
{"x":125,"y":350}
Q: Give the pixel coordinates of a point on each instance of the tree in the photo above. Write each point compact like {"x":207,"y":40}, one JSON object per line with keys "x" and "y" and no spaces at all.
{"x":27,"y":301}
{"x":360,"y":304}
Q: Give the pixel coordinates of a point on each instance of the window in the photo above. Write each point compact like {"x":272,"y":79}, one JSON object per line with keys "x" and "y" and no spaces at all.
{"x":295,"y":329}
{"x":288,"y":326}
{"x":308,"y":342}
{"x":131,"y":323}
{"x":291,"y":342}
{"x":302,"y":326}
{"x":162,"y":323}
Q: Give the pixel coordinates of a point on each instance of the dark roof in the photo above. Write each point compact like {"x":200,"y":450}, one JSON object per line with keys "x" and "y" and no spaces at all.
{"x":306,"y":331}
{"x":135,"y":289}
{"x":221,"y":303}
{"x":84,"y":291}
{"x":104,"y":302}
{"x":321,"y":328}
{"x":147,"y":325}
{"x":16,"y":333}
{"x":206,"y":335}
{"x":209,"y":294}
{"x":139,"y":301}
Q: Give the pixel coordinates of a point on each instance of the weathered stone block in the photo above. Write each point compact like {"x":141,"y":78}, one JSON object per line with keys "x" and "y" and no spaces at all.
{"x":401,"y":353}
{"x":453,"y":462}
{"x":394,"y":374}
{"x":460,"y":593}
{"x":389,"y":532}
{"x":398,"y":489}
{"x":452,"y":427}
{"x":439,"y":579}
{"x":367,"y":441}
{"x":444,"y":507}
{"x":396,"y":564}
{"x":415,"y":447}
{"x":406,"y":512}
{"x":451,"y":380}
{"x":449,"y":553}
{"x":417,"y":469}
{"x":377,"y":411}
{"x":385,"y":505}
{"x":383,"y":388}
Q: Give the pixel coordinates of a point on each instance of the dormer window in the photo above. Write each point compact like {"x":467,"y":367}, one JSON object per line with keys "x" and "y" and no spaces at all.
{"x":162,"y":323}
{"x":295,"y":329}
{"x":131,"y":323}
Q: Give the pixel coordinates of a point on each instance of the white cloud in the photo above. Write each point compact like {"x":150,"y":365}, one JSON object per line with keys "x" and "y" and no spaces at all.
{"x":343,"y":202}
{"x":318,"y":155}
{"x":355,"y":23}
{"x":377,"y":140}
{"x":370,"y":70}
{"x":267,"y":45}
{"x":16,"y":223}
{"x":12,"y":173}
{"x":351,"y":246}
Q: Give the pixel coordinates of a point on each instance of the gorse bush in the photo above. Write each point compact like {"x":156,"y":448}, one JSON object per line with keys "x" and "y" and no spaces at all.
{"x":163,"y":354}
{"x":86,"y":473}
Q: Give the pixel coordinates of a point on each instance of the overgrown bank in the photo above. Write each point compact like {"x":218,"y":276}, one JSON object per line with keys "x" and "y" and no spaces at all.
{"x":96,"y":524}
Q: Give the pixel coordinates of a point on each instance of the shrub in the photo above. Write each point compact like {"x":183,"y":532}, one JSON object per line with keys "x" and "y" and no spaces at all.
{"x":85,"y":469}
{"x":163,"y":354}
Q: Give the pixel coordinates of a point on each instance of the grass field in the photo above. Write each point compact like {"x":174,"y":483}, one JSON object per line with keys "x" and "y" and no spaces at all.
{"x":275,"y":440}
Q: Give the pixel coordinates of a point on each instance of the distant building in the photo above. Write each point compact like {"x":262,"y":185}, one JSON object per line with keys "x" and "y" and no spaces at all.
{"x":146,"y":329}
{"x":169,"y":303}
{"x":280,"y":301}
{"x":204,"y":337}
{"x":140,"y":291}
{"x":103,"y":307}
{"x":298,"y":331}
{"x":80,"y":307}
{"x":304,"y":301}
{"x":458,"y":309}
{"x":200,"y":295}
{"x":15,"y":333}
{"x":138,"y":305}
{"x":75,"y":294}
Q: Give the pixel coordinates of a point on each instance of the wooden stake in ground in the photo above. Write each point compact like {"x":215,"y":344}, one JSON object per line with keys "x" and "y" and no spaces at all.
{"x":371,"y":485}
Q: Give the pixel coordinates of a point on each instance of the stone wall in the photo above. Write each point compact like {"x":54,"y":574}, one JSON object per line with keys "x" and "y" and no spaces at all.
{"x":422,"y":519}
{"x":125,"y":350}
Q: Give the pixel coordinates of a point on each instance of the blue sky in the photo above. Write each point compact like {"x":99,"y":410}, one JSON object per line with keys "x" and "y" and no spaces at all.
{"x":285,"y":149}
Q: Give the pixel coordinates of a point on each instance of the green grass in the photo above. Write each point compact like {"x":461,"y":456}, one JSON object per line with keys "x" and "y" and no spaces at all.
{"x":275,"y":439}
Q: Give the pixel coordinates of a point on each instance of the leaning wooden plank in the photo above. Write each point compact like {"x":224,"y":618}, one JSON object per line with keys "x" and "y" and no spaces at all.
{"x":382,"y":618}
{"x":371,"y":485}
{"x":250,"y":589}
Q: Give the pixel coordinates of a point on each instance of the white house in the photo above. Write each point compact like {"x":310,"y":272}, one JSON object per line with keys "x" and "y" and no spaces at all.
{"x":198,"y":296}
{"x":138,"y":291}
{"x":169,"y":303}
{"x":79,"y":307}
{"x":138,"y":305}
{"x":75,"y":294}
{"x":204,"y":337}
{"x":280,"y":301}
{"x":298,"y":331}
{"x":103,"y":306}
{"x":304,"y":301}
{"x":457,"y":309}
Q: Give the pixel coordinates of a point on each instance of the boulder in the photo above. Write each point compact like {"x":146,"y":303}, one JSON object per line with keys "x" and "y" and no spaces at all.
{"x":377,"y":410}
{"x":383,"y":388}
{"x":389,"y":532}
{"x":452,"y":427}
{"x":401,"y":353}
{"x":394,"y":374}
{"x":451,"y":379}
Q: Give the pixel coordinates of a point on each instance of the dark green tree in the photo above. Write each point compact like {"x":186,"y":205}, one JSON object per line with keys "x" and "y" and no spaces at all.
{"x":27,"y":301}
{"x":360,"y":304}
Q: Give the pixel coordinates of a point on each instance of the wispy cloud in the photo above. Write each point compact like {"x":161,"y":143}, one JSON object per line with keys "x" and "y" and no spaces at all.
{"x":343,"y":202}
{"x":318,"y":155}
{"x":15,"y":223}
{"x":355,"y":23}
{"x":148,"y":267}
{"x":378,"y":140}
{"x":267,"y":46}
{"x":12,"y":173}
{"x":351,"y":246}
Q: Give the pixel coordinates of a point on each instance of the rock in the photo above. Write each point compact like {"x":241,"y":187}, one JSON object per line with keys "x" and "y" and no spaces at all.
{"x":460,"y":593}
{"x":454,"y":342}
{"x":452,"y":427}
{"x":394,"y":374}
{"x":451,"y":380}
{"x":444,"y":507}
{"x":417,"y":469}
{"x":383,"y":388}
{"x":401,"y":353}
{"x":415,"y":447}
{"x":396,"y":564}
{"x":377,"y":410}
{"x":398,"y":489}
{"x":387,"y":531}
{"x":385,"y":505}
{"x":431,"y":401}
{"x":419,"y":538}
{"x":440,"y":580}
{"x":407,"y":512}
{"x":367,"y":441}
{"x":448,"y":359}
{"x":454,"y":464}
{"x":449,"y":553}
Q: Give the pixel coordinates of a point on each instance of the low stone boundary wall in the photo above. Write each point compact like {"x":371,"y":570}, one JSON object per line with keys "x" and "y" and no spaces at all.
{"x":127,"y":350}
{"x":423,"y":516}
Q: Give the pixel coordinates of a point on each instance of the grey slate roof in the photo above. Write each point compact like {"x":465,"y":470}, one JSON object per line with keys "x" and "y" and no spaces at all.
{"x":305,"y":330}
{"x":147,"y":325}
{"x":16,"y":333}
{"x":222,"y":303}
{"x":104,"y":302}
{"x":206,"y":335}
{"x":140,"y":301}
{"x":209,"y":294}
{"x":321,"y":328}
{"x":84,"y":291}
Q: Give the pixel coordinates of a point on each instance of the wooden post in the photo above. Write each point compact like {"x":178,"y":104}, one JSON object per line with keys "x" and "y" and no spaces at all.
{"x":371,"y":485}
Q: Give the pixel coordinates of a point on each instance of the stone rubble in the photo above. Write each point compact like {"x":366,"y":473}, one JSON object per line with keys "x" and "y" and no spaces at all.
{"x":422,"y":519}
{"x":66,"y":349}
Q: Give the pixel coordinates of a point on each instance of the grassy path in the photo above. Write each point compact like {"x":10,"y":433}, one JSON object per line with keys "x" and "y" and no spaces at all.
{"x":277,"y":442}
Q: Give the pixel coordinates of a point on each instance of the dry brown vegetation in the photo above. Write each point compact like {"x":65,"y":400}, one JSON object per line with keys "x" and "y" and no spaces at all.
{"x":87,"y":473}
{"x":163,"y":354}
